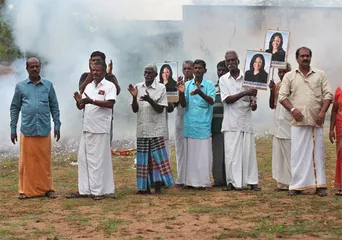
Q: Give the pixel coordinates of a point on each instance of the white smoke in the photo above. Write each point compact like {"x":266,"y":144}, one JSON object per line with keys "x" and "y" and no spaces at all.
{"x":64,"y":33}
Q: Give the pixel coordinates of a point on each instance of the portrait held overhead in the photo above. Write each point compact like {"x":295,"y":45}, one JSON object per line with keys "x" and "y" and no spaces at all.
{"x":167,"y":75}
{"x":277,"y":43}
{"x":257,"y":69}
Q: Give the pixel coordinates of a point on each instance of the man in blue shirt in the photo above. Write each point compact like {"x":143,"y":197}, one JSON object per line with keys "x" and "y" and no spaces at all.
{"x":35,"y":97}
{"x":197,"y":97}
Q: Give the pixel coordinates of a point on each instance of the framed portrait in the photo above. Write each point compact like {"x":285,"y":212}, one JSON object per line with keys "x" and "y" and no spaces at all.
{"x":168,"y":75}
{"x":257,"y":69}
{"x":277,"y":44}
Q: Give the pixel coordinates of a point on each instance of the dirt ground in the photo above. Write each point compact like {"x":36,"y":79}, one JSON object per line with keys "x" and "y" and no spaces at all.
{"x":175,"y":214}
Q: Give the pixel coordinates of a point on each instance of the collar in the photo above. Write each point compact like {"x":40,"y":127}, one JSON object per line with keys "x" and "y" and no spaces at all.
{"x":153,"y":85}
{"x":230,"y":76}
{"x":28,"y":81}
{"x":194,"y":83}
{"x":311,"y":70}
{"x":100,"y":83}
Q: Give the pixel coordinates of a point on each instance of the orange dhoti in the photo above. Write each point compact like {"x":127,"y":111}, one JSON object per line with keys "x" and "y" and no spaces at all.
{"x":35,"y":178}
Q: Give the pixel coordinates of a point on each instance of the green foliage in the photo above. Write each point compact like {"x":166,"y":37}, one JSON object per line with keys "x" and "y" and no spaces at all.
{"x":8,"y":49}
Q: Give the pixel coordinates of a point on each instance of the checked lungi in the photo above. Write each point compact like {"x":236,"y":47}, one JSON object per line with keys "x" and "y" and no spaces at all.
{"x":152,"y":163}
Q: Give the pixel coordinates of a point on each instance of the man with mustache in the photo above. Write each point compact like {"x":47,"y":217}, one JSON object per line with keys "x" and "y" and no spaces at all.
{"x":87,"y":78}
{"x":197,"y":97}
{"x":95,"y":172}
{"x":306,"y":94}
{"x":281,"y":131}
{"x":149,"y":102}
{"x":188,"y":72}
{"x":218,"y":169}
{"x":35,"y":97}
{"x":240,"y":154}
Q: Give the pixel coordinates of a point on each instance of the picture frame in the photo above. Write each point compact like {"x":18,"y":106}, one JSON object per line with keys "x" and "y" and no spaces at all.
{"x":278,"y":39}
{"x":168,"y":75}
{"x":257,"y":69}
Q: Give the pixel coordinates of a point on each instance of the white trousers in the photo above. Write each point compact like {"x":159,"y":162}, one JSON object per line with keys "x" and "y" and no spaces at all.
{"x":180,"y":156}
{"x":198,"y":162}
{"x":95,"y":171}
{"x":307,"y":158}
{"x":240,"y":159}
{"x":281,"y":159}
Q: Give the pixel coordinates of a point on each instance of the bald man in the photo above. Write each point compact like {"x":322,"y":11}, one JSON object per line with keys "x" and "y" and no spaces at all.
{"x":35,"y":97}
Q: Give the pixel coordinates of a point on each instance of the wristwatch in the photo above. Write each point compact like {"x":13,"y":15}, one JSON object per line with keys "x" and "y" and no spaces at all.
{"x":292,"y":109}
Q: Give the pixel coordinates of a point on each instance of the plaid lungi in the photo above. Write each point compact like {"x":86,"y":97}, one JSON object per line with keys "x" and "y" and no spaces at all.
{"x":152,"y":163}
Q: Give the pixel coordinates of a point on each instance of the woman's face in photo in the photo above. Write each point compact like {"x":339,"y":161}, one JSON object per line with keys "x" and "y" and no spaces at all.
{"x":257,"y":64}
{"x":276,"y":42}
{"x":166,"y":74}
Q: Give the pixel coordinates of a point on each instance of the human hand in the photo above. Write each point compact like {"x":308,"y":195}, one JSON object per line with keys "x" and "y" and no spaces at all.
{"x":180,"y":86}
{"x":196,"y":91}
{"x":57,"y":135}
{"x":320,"y":118}
{"x":133,"y":90}
{"x":86,"y":100}
{"x":14,"y":138}
{"x":332,"y":136}
{"x":251,"y":92}
{"x":146,"y":97}
{"x":297,"y":115}
{"x":271,"y":85}
{"x":110,"y":67}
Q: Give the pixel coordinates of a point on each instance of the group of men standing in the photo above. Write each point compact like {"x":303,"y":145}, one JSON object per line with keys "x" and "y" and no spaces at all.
{"x":213,"y":129}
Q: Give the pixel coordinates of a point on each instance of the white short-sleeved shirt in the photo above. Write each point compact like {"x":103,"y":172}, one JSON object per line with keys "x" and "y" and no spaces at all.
{"x":149,"y":122}
{"x":237,"y":116}
{"x":98,"y":119}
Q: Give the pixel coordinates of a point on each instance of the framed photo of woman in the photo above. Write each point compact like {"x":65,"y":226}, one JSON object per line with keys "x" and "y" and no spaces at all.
{"x":257,"y":69}
{"x":277,"y":43}
{"x":168,"y":75}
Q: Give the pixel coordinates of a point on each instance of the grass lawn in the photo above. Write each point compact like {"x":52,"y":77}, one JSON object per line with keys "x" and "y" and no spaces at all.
{"x":175,"y":214}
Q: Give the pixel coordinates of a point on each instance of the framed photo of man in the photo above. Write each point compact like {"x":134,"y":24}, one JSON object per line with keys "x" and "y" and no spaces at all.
{"x":277,"y":43}
{"x":257,"y":69}
{"x":168,"y":75}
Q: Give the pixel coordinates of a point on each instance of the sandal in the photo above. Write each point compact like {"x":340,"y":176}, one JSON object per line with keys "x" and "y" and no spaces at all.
{"x":338,"y":193}
{"x":77,"y":195}
{"x":230,"y":187}
{"x":21,"y":196}
{"x":322,"y":192}
{"x":141,"y":192}
{"x":51,"y":194}
{"x":99,"y":197}
{"x":255,"y":188}
{"x":294,"y":192}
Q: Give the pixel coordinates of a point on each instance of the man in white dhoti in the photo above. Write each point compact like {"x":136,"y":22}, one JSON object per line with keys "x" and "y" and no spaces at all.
{"x":95,"y":171}
{"x":188,"y":72}
{"x":197,"y":97}
{"x":305,"y":92}
{"x":281,"y":131}
{"x":240,"y":154}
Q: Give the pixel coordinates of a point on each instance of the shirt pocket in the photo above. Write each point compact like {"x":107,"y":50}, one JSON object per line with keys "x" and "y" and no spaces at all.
{"x":44,"y":98}
{"x":316,"y":88}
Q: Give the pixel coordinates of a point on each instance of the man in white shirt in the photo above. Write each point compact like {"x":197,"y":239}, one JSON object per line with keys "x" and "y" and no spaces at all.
{"x":188,"y":72}
{"x":153,"y":166}
{"x":240,"y":154}
{"x":281,"y":131}
{"x":95,"y":171}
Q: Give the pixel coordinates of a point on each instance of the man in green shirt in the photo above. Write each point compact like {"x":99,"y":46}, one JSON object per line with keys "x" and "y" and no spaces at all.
{"x":218,"y":168}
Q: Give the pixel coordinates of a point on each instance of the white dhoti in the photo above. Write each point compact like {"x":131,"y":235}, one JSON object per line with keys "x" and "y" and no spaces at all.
{"x":240,"y":159}
{"x":95,"y":171}
{"x":307,"y":158}
{"x":198,"y":162}
{"x":281,"y":158}
{"x":180,"y":156}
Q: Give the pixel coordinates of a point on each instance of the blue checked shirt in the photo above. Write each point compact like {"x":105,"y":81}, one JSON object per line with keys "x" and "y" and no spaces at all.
{"x":35,"y":102}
